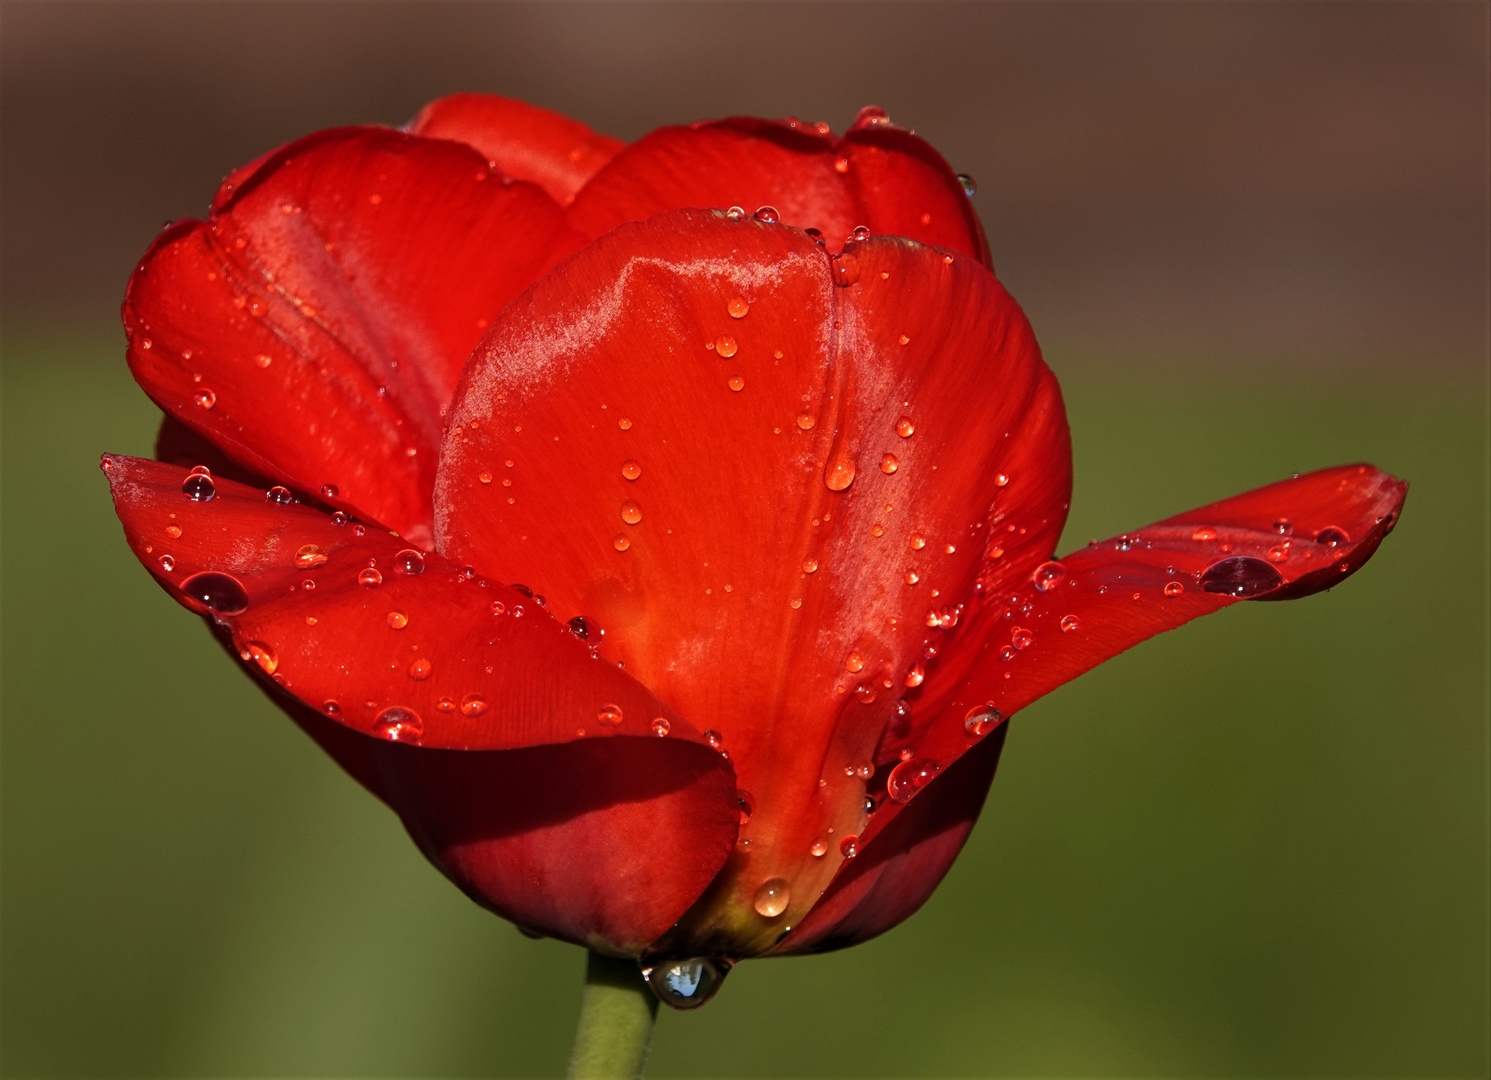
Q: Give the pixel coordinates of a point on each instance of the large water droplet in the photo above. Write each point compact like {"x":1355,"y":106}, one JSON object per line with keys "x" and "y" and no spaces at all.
{"x":845,"y":269}
{"x":630,"y":470}
{"x":982,"y":720}
{"x":737,"y":307}
{"x":744,"y":804}
{"x":1173,"y":588}
{"x":839,"y":473}
{"x":771,"y":898}
{"x":397,"y":620}
{"x":260,"y":654}
{"x":889,"y":464}
{"x":1048,"y":575}
{"x":849,"y":846}
{"x":205,"y":399}
{"x":661,"y":727}
{"x":685,"y":984}
{"x":909,"y":777}
{"x":584,"y":628}
{"x":1021,"y":638}
{"x":409,"y":562}
{"x":199,"y":487}
{"x":1240,"y":576}
{"x":767,"y":214}
{"x":370,"y":578}
{"x":905,"y":428}
{"x":1070,"y":624}
{"x":279,"y":494}
{"x":609,"y":715}
{"x":217,"y":592}
{"x":419,"y":671}
{"x":631,"y":512}
{"x":726,"y":346}
{"x":473,"y":705}
{"x":1331,"y":536}
{"x":309,"y":556}
{"x":970,"y":185}
{"x":397,"y":724}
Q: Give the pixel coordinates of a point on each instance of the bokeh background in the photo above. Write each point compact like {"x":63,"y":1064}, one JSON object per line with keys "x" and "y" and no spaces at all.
{"x":1253,"y":240}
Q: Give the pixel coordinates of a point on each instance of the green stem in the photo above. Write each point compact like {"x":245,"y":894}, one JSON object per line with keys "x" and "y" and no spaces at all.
{"x":616,"y":1018}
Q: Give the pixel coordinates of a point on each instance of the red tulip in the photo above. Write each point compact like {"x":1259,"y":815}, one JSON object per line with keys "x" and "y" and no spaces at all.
{"x":791,"y":502}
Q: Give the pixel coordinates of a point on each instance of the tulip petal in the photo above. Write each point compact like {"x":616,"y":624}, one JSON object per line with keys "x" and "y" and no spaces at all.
{"x":567,"y":812}
{"x":766,"y":527}
{"x":878,"y":175}
{"x":1025,"y":639}
{"x":894,"y":877}
{"x":314,"y":326}
{"x":523,"y":141}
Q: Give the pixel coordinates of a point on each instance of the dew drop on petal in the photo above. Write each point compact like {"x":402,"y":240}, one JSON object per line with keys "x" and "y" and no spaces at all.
{"x":1048,"y":575}
{"x":370,"y":578}
{"x":630,"y":470}
{"x":806,"y":421}
{"x":916,"y":675}
{"x":219,"y":593}
{"x":260,"y":654}
{"x":714,"y":739}
{"x":849,"y":846}
{"x":737,"y":307}
{"x":397,"y":724}
{"x":620,"y":543}
{"x":631,"y":513}
{"x":726,"y":346}
{"x":419,"y":671}
{"x":845,"y":269}
{"x":397,"y":620}
{"x":889,"y":464}
{"x":819,"y":847}
{"x":1021,"y":638}
{"x":982,"y":720}
{"x":485,"y":477}
{"x":685,"y":984}
{"x":167,"y":562}
{"x":279,"y":494}
{"x":767,"y":214}
{"x":1332,"y":537}
{"x":1173,"y":588}
{"x":1240,"y":576}
{"x":918,"y":541}
{"x":473,"y":705}
{"x":409,"y":562}
{"x":854,"y":662}
{"x":624,"y":424}
{"x":609,"y":715}
{"x":839,"y":474}
{"x":1283,"y":526}
{"x":661,"y":727}
{"x":970,"y":185}
{"x":205,"y":398}
{"x":905,"y":428}
{"x":735,"y":213}
{"x":771,"y":898}
{"x":909,"y":777}
{"x":744,"y":804}
{"x":736,"y":383}
{"x":1070,"y":624}
{"x":309,"y":556}
{"x":199,"y":487}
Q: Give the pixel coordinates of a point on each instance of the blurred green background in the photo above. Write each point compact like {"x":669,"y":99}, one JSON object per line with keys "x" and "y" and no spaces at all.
{"x":1253,"y":239}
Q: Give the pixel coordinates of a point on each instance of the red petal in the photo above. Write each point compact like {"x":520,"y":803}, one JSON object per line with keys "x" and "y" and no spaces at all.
{"x":559,"y":831}
{"x":314,"y":326}
{"x":886,"y":884}
{"x":1279,"y":542}
{"x":753,"y":598}
{"x":523,"y":141}
{"x":877,"y":175}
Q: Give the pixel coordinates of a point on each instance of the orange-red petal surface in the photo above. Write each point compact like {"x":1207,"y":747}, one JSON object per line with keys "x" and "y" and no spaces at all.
{"x":878,"y":175}
{"x":569,"y":812}
{"x":523,"y":141}
{"x":314,"y":326}
{"x":1279,"y":542}
{"x":765,"y":485}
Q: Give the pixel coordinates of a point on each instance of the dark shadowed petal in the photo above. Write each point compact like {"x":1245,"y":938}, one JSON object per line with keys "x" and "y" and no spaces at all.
{"x":878,"y":175}
{"x":567,"y":792}
{"x":314,"y":326}
{"x":768,"y":475}
{"x":1026,"y":638}
{"x":523,"y":141}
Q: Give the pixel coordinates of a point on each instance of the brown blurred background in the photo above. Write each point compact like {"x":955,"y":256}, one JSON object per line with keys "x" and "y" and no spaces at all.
{"x":1301,"y":180}
{"x":1252,"y":238}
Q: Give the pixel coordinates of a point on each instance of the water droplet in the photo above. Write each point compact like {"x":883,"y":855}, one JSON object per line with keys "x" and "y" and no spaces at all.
{"x":849,"y":846}
{"x":917,"y":675}
{"x":199,"y":487}
{"x":339,"y":518}
{"x":845,"y":269}
{"x":889,"y":464}
{"x":620,"y":543}
{"x":1070,"y":624}
{"x":473,"y":705}
{"x":736,"y":213}
{"x":1283,"y":527}
{"x":624,"y":424}
{"x":738,"y":308}
{"x":909,"y":777}
{"x":409,"y":562}
{"x":308,"y":556}
{"x":819,"y":847}
{"x":839,"y":473}
{"x":631,"y":513}
{"x":278,"y":494}
{"x":1174,"y":588}
{"x":331,"y":708}
{"x":841,"y":165}
{"x":714,"y":739}
{"x":745,"y":804}
{"x":328,"y":491}
{"x":1021,"y":638}
{"x":419,"y":671}
{"x":806,"y":421}
{"x":1278,"y":553}
{"x":167,"y":562}
{"x":661,"y":727}
{"x":685,"y":984}
{"x":445,"y":705}
{"x":485,"y":478}
{"x":630,"y":470}
{"x":771,"y":898}
{"x":609,"y":715}
{"x":1204,"y":534}
{"x":767,"y":214}
{"x":1331,"y":536}
{"x":726,"y":346}
{"x":584,"y":628}
{"x":1048,"y":575}
{"x":905,"y":428}
{"x":370,"y":578}
{"x":497,"y":607}
{"x":260,"y":654}
{"x":970,"y":185}
{"x":397,"y":724}
{"x":1240,"y":576}
{"x":398,"y":620}
{"x":982,"y":720}
{"x":219,"y":593}
{"x":205,"y":398}
{"x":173,"y":531}
{"x":854,"y":662}
{"x":864,"y":693}
{"x":263,"y":360}
{"x":816,"y":235}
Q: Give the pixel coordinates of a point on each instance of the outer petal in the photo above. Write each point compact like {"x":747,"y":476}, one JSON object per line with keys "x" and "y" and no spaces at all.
{"x":763,"y":486}
{"x":314,"y":326}
{"x":877,"y":175}
{"x":523,"y":141}
{"x":585,"y":825}
{"x":894,"y":877}
{"x":1279,"y":542}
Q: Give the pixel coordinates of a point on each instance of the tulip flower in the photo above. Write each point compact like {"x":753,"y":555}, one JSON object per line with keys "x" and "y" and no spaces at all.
{"x":672,"y":570}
